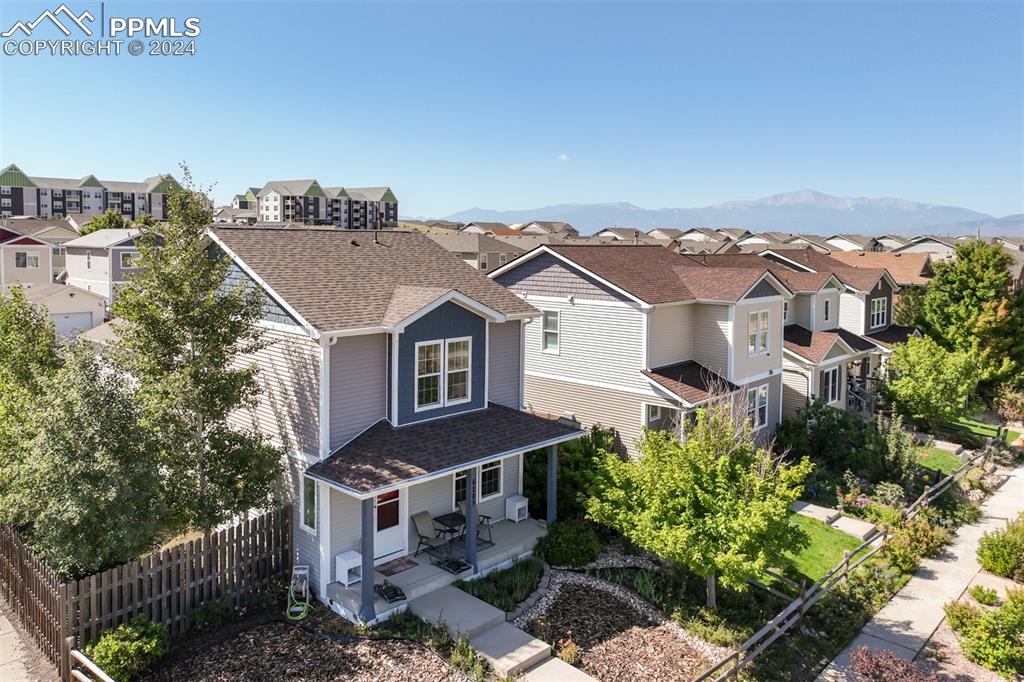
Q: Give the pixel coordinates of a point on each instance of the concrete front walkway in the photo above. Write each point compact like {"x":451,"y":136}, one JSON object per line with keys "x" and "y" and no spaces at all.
{"x":12,"y":654}
{"x":908,"y":621}
{"x":508,"y":649}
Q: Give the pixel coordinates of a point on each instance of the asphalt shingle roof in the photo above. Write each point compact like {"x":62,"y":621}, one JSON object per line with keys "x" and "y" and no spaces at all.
{"x":344,"y":279}
{"x":383,"y":455}
{"x":689,"y":380}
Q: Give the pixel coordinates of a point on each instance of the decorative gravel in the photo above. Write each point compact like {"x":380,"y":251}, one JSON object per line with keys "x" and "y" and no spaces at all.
{"x":613,"y":556}
{"x":942,"y":656}
{"x":620,"y":635}
{"x":281,"y":651}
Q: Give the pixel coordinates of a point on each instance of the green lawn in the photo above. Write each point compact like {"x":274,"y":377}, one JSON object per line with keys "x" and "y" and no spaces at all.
{"x":824,"y":551}
{"x":983,"y":429}
{"x":936,"y":458}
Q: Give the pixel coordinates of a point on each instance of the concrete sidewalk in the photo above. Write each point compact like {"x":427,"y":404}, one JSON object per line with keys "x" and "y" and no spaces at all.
{"x":12,"y":654}
{"x":909,"y":620}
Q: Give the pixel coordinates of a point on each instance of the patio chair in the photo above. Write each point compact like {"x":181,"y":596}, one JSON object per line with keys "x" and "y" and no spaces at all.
{"x":481,"y":520}
{"x":428,"y":536}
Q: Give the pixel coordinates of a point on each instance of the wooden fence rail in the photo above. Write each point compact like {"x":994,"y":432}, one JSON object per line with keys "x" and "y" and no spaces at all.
{"x":745,"y":653}
{"x":166,"y":586}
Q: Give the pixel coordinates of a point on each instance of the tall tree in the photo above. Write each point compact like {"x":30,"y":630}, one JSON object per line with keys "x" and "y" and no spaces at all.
{"x":969,"y":307}
{"x":716,"y":503}
{"x":108,"y":220}
{"x":90,"y":482}
{"x":182,"y":330}
{"x":928,"y":383}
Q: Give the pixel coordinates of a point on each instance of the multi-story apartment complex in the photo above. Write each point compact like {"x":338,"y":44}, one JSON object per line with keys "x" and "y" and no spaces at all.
{"x":44,"y":197}
{"x":635,"y":336}
{"x":306,"y":201}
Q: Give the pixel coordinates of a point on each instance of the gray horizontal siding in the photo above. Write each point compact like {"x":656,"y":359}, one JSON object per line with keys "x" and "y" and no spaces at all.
{"x":505,"y":363}
{"x":359,"y":385}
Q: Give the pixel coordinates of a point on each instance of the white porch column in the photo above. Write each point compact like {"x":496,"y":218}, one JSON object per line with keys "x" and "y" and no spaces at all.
{"x":323,"y":500}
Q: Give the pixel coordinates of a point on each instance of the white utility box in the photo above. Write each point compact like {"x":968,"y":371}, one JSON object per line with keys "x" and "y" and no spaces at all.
{"x":516,"y":508}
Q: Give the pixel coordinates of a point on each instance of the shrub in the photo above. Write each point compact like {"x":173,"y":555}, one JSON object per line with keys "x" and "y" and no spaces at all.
{"x":952,"y":510}
{"x":962,"y":616}
{"x":985,"y":595}
{"x":1002,"y":551}
{"x":568,"y":650}
{"x":844,"y":610}
{"x":569,"y":543}
{"x":885,"y":666}
{"x":914,"y":539}
{"x":464,"y":659}
{"x":889,"y":494}
{"x":882,"y":514}
{"x":506,"y":588}
{"x":129,"y":649}
{"x":1009,"y":403}
{"x":994,"y":640}
{"x":578,"y":464}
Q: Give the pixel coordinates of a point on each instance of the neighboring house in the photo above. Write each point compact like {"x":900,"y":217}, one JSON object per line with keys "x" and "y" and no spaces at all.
{"x":549,"y":227}
{"x":734,"y":233}
{"x":1011,"y":243}
{"x":71,"y":309}
{"x":703,"y":234}
{"x":697,"y":247}
{"x":665,"y":233}
{"x":24,"y":195}
{"x":102,"y":260}
{"x":624,"y":234}
{"x":479,"y":251}
{"x":24,"y":260}
{"x":478,"y":227}
{"x":761,"y":238}
{"x":853,"y":242}
{"x":234,"y":216}
{"x":56,"y":233}
{"x":637,"y":336}
{"x":818,"y":242}
{"x":888,"y":242}
{"x":939,"y":248}
{"x":908,"y":270}
{"x":393,"y":381}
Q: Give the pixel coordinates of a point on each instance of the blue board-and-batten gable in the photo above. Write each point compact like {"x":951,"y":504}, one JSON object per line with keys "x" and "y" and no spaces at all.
{"x":272,"y":311}
{"x":447,"y":321}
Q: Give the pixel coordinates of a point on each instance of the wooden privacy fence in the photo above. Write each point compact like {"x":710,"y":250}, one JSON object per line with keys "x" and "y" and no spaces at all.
{"x":745,"y":653}
{"x":166,"y":586}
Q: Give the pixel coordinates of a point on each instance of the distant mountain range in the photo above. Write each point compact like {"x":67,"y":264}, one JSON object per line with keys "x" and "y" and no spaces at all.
{"x":804,"y":211}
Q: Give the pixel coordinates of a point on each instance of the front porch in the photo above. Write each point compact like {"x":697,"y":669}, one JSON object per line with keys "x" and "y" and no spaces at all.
{"x":511,"y":541}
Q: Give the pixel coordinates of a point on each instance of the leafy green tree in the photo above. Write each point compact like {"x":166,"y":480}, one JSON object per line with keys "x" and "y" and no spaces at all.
{"x":833,"y":437}
{"x":716,"y":503}
{"x":910,"y":307}
{"x":578,"y":464}
{"x":147,"y":220}
{"x":89,"y":484}
{"x":928,"y":383}
{"x":109,"y":220}
{"x":181,"y":332}
{"x":969,"y":307}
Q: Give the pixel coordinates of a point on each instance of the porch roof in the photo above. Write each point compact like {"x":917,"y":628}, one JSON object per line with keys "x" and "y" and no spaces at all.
{"x":383,"y":455}
{"x":689,"y":380}
{"x":891,"y":335}
{"x":814,"y":346}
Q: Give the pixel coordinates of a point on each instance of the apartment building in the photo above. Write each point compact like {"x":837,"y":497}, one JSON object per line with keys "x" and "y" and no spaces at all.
{"x":45,"y":197}
{"x":306,"y":201}
{"x":634,"y":336}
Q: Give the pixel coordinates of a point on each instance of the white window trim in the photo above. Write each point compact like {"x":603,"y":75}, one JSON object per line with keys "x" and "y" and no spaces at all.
{"x":480,"y":480}
{"x":758,"y":350}
{"x":752,"y":414}
{"x":442,"y":392}
{"x":652,"y":413}
{"x":831,"y":371}
{"x":130,"y":255}
{"x":785,"y":312}
{"x":558,"y":332}
{"x":883,"y":312}
{"x":27,"y":255}
{"x":828,"y":310}
{"x":302,"y":504}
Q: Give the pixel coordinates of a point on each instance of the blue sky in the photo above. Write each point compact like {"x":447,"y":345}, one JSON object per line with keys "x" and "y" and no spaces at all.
{"x":516,"y":105}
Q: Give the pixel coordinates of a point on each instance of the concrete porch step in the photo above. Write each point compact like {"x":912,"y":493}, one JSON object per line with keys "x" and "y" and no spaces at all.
{"x":461,"y":613}
{"x":555,"y":670}
{"x":509,"y":650}
{"x":855,"y":527}
{"x":817,"y":512}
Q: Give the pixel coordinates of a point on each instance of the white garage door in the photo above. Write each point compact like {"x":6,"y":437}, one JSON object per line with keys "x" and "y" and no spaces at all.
{"x":69,"y":324}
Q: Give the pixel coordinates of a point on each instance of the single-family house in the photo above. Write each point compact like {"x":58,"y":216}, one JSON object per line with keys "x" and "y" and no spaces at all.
{"x":393,"y":381}
{"x":479,"y":227}
{"x":818,"y":242}
{"x":480,"y":251}
{"x":664,"y":233}
{"x":71,"y":309}
{"x":761,"y":238}
{"x":56,"y":233}
{"x":24,"y":260}
{"x":938,"y":247}
{"x":888,"y":242}
{"x":624,"y":234}
{"x":637,"y":336}
{"x":101,"y":261}
{"x":703,"y":234}
{"x":549,"y":227}
{"x":853,"y":242}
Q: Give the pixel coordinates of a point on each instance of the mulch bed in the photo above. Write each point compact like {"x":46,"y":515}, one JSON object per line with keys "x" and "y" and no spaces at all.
{"x":283,"y":651}
{"x":616,"y":641}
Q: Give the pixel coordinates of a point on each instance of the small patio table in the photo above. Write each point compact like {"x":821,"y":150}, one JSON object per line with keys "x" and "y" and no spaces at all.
{"x":451,"y":525}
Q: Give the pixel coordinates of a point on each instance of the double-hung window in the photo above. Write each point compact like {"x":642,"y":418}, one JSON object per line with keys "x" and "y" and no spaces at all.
{"x":128,"y":260}
{"x":757,"y":333}
{"x":490,"y":480}
{"x":23,"y":259}
{"x":829,"y":391}
{"x":443,"y":372}
{"x":550,"y":331}
{"x":757,"y":406}
{"x":879,"y":312}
